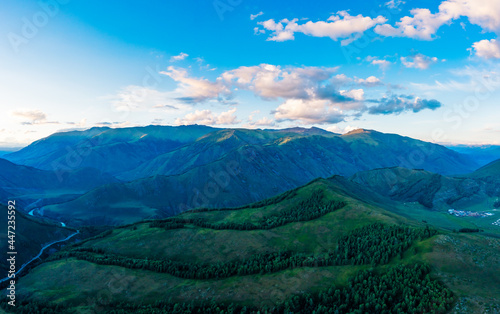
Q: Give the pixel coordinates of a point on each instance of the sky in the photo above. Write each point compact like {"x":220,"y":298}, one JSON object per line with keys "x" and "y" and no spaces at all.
{"x":425,"y":69}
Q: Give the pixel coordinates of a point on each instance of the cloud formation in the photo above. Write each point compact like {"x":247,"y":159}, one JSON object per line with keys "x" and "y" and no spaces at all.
{"x":394,"y":4}
{"x":179,"y":57}
{"x":418,"y":61}
{"x":396,"y":104}
{"x":314,"y":111}
{"x":207,"y":117}
{"x":138,"y":98}
{"x":196,"y":90}
{"x":31,"y":117}
{"x":423,"y":24}
{"x":308,"y":95}
{"x":338,"y":26}
{"x":254,"y":16}
{"x":488,"y":49}
{"x":271,"y":81}
{"x":370,"y":81}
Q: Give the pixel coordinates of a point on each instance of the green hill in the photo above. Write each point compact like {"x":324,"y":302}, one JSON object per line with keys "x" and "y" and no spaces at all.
{"x":327,"y":244}
{"x":490,"y":170}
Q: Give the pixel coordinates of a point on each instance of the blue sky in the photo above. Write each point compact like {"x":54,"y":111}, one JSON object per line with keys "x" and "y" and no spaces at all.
{"x":424,"y":69}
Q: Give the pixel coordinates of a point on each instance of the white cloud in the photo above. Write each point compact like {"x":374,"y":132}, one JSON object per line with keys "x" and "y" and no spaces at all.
{"x":207,"y":117}
{"x":196,"y":90}
{"x":265,"y":121}
{"x":258,"y":31}
{"x":138,"y":98}
{"x":394,"y":4}
{"x":355,"y":94}
{"x":314,"y":111}
{"x":370,"y":81}
{"x":339,"y":26}
{"x":485,"y":13}
{"x":337,"y":129}
{"x":383,"y":64}
{"x":179,"y":57}
{"x":270,"y":81}
{"x":424,"y":25}
{"x":31,"y":117}
{"x":418,"y":61}
{"x":488,"y":49}
{"x":254,"y":16}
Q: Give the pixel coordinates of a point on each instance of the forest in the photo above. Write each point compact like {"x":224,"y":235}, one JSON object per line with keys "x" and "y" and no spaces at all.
{"x":373,"y":244}
{"x":400,"y":289}
{"x":311,"y":208}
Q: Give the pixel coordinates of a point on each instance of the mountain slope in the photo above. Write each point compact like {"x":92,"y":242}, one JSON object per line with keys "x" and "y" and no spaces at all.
{"x":232,"y":167}
{"x":19,"y":179}
{"x":490,"y":170}
{"x":429,"y":189}
{"x":101,"y":148}
{"x":234,"y":255}
{"x":322,"y":155}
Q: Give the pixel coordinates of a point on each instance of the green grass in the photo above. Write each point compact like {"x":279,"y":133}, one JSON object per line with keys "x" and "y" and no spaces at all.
{"x":467,"y":263}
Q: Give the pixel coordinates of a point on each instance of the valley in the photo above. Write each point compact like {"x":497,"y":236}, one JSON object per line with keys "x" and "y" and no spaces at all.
{"x":130,"y":267}
{"x":247,"y":220}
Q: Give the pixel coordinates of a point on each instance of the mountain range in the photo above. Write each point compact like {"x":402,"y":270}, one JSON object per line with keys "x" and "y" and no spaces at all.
{"x":251,"y":219}
{"x":159,"y":171}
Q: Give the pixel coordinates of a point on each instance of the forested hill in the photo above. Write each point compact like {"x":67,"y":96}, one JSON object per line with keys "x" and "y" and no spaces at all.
{"x":311,"y":249}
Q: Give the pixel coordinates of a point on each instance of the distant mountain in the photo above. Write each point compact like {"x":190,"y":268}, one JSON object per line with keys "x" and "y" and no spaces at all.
{"x":8,"y":150}
{"x":14,"y":177}
{"x":19,"y":181}
{"x":308,"y":155}
{"x":232,"y":167}
{"x":430,"y":189}
{"x":109,"y":150}
{"x":482,"y":154}
{"x":303,"y":131}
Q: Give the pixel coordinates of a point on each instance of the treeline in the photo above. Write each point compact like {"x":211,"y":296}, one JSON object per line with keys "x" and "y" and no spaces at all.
{"x":167,"y":225}
{"x":372,"y":244}
{"x":33,"y":307}
{"x":377,"y":243}
{"x":400,"y":289}
{"x":469,"y":230}
{"x":311,"y":208}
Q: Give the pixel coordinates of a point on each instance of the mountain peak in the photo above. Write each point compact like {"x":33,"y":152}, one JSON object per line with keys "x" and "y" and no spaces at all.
{"x":359,"y":131}
{"x":304,"y":131}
